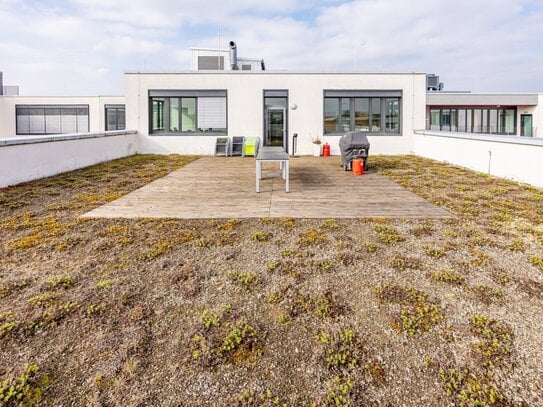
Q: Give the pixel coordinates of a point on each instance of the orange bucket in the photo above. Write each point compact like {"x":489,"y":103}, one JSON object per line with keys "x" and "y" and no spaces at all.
{"x":358,"y":167}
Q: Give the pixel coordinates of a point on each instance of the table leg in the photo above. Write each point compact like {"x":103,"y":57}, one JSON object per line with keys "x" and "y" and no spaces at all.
{"x":258,"y":169}
{"x":287,"y":187}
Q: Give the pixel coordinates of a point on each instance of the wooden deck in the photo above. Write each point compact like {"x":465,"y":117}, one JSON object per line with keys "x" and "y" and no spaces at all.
{"x":225,"y":188}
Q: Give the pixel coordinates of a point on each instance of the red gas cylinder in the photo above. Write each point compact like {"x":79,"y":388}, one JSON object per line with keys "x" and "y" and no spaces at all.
{"x":326,"y":150}
{"x":358,"y":167}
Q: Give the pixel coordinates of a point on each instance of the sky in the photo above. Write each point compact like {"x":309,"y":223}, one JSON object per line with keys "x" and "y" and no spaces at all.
{"x":82,"y":47}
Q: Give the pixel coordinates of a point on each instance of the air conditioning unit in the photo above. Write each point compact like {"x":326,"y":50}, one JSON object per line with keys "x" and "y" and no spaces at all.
{"x":432,"y":83}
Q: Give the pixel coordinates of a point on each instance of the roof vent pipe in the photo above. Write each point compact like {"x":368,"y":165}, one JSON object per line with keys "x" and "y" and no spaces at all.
{"x":233,"y":56}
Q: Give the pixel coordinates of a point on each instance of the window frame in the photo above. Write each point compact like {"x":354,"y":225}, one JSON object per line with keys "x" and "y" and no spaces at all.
{"x":45,"y":108}
{"x":180,"y":94}
{"x":468,"y":126}
{"x":371,"y":95}
{"x":115,"y":107}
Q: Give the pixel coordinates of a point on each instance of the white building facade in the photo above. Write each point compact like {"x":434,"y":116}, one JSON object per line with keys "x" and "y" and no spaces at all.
{"x":184,"y":112}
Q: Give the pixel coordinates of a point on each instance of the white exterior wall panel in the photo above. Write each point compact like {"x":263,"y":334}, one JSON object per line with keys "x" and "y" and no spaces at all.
{"x":511,"y":159}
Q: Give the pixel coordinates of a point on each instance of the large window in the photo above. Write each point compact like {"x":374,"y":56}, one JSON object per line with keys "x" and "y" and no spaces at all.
{"x":364,"y":111}
{"x":487,"y":120}
{"x":52,"y":119}
{"x":182,"y":112}
{"x":115,"y":117}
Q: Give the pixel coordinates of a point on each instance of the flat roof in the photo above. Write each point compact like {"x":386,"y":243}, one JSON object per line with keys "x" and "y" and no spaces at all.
{"x":63,"y":96}
{"x":482,"y":99}
{"x":266,"y":72}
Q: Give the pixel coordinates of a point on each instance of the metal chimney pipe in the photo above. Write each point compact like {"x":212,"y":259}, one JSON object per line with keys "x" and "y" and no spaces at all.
{"x":233,"y":56}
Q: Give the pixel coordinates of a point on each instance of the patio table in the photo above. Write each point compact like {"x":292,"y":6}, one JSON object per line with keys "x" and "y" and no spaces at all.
{"x":272,"y":154}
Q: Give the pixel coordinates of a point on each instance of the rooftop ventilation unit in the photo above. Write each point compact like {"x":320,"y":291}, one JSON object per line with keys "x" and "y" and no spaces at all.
{"x":433,"y":84}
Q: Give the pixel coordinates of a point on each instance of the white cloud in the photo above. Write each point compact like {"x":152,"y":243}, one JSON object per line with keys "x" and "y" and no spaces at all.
{"x":83,"y":46}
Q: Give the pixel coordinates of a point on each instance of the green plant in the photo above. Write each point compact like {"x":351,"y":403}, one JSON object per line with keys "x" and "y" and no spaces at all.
{"x":42,"y":300}
{"x":56,"y":282}
{"x":342,"y":348}
{"x":104,"y":284}
{"x":479,"y":258}
{"x":330,"y":224}
{"x":260,"y":236}
{"x":159,"y":248}
{"x":488,"y":294}
{"x":287,"y":222}
{"x":448,"y":276}
{"x":537,"y":262}
{"x":311,"y":237}
{"x":229,"y":225}
{"x":239,"y":333}
{"x":209,"y":319}
{"x":400,"y":263}
{"x":250,"y":398}
{"x":324,"y":265}
{"x":434,"y":252}
{"x":272,"y":265}
{"x":497,"y":339}
{"x":517,"y":245}
{"x":25,"y":389}
{"x":338,"y":391}
{"x":388,"y":234}
{"x":246,"y":279}
{"x":467,"y":390}
{"x":371,"y":247}
{"x":8,"y":322}
{"x":282,"y":319}
{"x":96,"y":309}
{"x":201,"y":242}
{"x":417,"y":313}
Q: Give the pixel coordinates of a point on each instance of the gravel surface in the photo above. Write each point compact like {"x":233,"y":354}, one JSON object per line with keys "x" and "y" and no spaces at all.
{"x":271,"y":311}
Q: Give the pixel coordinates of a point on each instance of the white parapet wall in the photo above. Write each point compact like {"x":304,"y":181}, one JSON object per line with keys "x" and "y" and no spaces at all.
{"x":25,"y":159}
{"x":511,"y":157}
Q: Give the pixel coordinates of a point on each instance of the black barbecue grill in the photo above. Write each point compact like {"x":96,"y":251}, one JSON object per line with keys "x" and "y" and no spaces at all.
{"x":354,"y":145}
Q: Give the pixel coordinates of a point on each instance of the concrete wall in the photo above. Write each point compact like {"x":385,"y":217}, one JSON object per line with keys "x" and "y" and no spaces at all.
{"x":96,"y":109}
{"x":246,"y":111}
{"x":29,"y":161}
{"x":516,"y":158}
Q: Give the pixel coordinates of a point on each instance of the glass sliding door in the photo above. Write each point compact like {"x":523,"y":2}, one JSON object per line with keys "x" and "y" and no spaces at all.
{"x":445,"y":120}
{"x":275,"y":118}
{"x":526,"y":125}
{"x":435,"y":120}
{"x":493,"y":121}
{"x":461,"y":120}
{"x":275,"y":126}
{"x":510,"y":127}
{"x":477,"y":121}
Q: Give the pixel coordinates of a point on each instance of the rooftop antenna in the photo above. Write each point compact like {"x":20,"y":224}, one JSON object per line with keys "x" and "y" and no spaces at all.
{"x":218,"y":46}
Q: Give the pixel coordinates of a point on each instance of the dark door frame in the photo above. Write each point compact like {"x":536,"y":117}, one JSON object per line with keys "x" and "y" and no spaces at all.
{"x":275,"y":93}
{"x":522,"y":116}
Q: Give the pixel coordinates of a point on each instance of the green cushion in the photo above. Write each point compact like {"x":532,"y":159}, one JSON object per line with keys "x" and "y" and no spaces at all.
{"x":249,"y":147}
